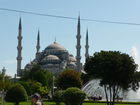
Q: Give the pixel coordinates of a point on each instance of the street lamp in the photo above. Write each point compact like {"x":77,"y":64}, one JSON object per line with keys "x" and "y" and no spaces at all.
{"x":53,"y":85}
{"x":2,"y":93}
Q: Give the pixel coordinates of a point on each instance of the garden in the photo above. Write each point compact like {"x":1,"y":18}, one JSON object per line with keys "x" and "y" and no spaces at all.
{"x":109,"y":66}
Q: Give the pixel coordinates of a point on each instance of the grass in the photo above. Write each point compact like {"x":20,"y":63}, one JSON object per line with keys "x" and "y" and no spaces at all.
{"x":52,"y":103}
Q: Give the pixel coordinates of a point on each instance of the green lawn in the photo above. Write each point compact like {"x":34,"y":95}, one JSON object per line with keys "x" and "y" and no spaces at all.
{"x":52,"y":103}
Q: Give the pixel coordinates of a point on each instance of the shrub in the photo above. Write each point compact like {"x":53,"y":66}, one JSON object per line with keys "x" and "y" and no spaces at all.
{"x":57,"y":97}
{"x":69,"y":78}
{"x":74,"y":96}
{"x":26,"y":87}
{"x":16,"y":94}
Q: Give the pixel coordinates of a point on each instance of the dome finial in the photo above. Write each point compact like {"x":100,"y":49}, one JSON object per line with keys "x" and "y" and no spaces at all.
{"x":55,"y":40}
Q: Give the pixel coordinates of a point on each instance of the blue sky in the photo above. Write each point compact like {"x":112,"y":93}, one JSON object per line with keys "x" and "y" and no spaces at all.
{"x":102,"y":36}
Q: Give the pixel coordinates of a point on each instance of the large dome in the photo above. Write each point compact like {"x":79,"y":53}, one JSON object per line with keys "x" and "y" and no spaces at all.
{"x":55,"y":48}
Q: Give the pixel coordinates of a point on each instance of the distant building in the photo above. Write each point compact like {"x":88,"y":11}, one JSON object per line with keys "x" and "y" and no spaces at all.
{"x":54,"y":58}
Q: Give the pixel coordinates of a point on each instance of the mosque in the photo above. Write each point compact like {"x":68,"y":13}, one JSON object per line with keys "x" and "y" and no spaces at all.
{"x":54,"y":58}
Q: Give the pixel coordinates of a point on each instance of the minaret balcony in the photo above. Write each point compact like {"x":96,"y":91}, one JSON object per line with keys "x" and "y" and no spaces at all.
{"x":19,"y":47}
{"x":87,"y":46}
{"x":19,"y":58}
{"x":78,"y":47}
{"x":19,"y":37}
{"x":78,"y":57}
{"x":78,"y":36}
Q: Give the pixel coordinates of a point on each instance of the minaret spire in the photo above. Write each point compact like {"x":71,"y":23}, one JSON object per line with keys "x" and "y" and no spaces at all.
{"x":87,"y":46}
{"x":19,"y":48}
{"x":38,"y":43}
{"x":78,"y":46}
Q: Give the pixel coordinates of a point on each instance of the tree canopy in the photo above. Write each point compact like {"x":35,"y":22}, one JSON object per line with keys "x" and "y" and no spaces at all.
{"x":116,"y":71}
{"x":36,"y":73}
{"x":32,"y":87}
{"x":5,"y":81}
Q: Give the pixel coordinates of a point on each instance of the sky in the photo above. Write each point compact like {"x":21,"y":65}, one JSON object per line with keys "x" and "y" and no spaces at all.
{"x":102,"y":36}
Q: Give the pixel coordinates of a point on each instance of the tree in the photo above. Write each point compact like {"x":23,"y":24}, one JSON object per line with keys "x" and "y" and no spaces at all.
{"x":137,"y":74}
{"x":16,"y":94}
{"x":69,"y":78}
{"x":6,"y":84}
{"x":34,"y":87}
{"x":85,"y":78}
{"x":44,"y":77}
{"x":116,"y":71}
{"x":49,"y":79}
{"x":40,"y":77}
{"x":28,"y":74}
{"x":5,"y":80}
{"x":38,"y":74}
{"x":73,"y":96}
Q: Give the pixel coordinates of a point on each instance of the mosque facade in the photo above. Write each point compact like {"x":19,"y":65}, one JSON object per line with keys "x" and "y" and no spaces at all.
{"x":54,"y":58}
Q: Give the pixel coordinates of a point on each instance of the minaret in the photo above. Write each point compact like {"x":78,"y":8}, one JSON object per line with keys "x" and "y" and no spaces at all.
{"x":86,"y":46}
{"x":78,"y":46}
{"x":38,"y":44}
{"x":19,"y":49}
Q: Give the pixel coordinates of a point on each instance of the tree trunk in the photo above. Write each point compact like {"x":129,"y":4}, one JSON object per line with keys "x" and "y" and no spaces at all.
{"x":106,"y":95}
{"x":110,"y":95}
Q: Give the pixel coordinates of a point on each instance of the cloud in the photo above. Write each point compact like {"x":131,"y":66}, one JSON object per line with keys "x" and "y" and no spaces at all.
{"x":135,"y":55}
{"x":10,"y":61}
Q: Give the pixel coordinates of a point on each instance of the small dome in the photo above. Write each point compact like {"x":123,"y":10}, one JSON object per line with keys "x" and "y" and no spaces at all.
{"x":72,"y":59}
{"x":72,"y":64}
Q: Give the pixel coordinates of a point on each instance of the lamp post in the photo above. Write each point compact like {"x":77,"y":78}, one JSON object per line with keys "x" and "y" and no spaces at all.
{"x":3,"y":93}
{"x":53,"y":86}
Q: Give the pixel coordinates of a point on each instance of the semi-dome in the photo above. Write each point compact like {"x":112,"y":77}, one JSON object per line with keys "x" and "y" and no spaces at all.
{"x":51,"y":58}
